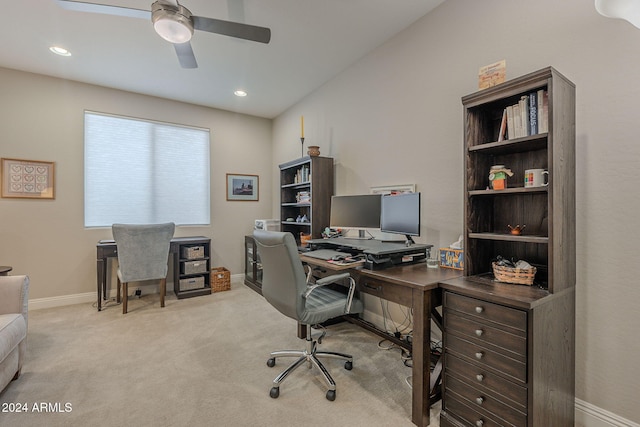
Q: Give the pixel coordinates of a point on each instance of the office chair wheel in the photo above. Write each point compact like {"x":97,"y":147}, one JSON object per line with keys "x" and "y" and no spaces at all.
{"x":331,"y":395}
{"x":271,"y":363}
{"x":348,"y":365}
{"x":275,"y":392}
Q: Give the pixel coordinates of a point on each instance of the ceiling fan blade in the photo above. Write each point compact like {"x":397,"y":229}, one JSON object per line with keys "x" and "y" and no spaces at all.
{"x":232,"y":29}
{"x":80,"y":6}
{"x":185,"y":55}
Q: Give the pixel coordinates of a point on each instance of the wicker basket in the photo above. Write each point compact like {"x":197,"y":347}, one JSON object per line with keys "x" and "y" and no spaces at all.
{"x":520,"y":276}
{"x":220,"y":279}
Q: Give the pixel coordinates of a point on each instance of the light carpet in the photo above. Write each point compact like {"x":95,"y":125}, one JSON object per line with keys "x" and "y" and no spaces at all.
{"x":197,"y":362}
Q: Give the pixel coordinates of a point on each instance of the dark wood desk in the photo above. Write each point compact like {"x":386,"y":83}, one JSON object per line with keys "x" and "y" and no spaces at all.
{"x":106,"y":249}
{"x":414,"y":286}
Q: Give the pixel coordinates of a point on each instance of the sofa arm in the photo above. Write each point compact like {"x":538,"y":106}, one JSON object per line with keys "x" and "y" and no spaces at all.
{"x":14,"y":295}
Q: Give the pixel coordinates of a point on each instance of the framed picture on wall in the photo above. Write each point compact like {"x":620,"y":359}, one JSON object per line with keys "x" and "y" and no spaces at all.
{"x":29,"y":179}
{"x":242,"y":187}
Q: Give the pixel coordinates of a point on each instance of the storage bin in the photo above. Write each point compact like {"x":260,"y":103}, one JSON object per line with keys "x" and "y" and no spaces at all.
{"x":191,"y":283}
{"x":192,"y":252}
{"x":220,"y":279}
{"x":193,"y":267}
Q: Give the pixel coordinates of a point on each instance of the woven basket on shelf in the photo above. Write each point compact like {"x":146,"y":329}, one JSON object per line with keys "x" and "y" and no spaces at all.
{"x":520,"y":276}
{"x":220,"y":279}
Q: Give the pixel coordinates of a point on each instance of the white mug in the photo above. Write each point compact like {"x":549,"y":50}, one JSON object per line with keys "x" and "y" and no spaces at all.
{"x":535,"y":178}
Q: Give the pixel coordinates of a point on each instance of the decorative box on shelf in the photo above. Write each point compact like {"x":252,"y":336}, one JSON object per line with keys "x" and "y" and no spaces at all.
{"x":452,"y":258}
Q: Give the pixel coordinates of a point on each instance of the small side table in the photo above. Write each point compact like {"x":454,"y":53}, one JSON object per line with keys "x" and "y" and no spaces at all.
{"x":4,"y":270}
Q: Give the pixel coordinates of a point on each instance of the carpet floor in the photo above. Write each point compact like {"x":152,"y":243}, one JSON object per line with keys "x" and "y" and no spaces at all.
{"x":197,"y":362}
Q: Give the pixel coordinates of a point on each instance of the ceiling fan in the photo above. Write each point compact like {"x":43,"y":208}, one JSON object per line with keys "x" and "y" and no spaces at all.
{"x":175,"y":23}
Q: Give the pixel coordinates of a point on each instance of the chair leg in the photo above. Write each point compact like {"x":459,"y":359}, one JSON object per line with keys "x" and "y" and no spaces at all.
{"x":125,"y":294}
{"x":163,"y":291}
{"x":118,"y":291}
{"x":309,"y":355}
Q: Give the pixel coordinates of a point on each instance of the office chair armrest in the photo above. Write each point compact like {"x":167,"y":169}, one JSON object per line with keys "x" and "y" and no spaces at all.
{"x":333,"y":279}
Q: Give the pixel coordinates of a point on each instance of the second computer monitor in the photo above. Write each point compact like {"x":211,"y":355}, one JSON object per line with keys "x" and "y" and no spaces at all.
{"x":400,"y":214}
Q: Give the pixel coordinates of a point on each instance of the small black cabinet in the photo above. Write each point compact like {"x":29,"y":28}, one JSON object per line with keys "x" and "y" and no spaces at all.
{"x":192,"y":267}
{"x":252,"y":266}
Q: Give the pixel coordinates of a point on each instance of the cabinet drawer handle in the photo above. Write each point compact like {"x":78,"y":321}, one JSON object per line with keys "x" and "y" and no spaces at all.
{"x":480,"y":377}
{"x":479,"y":355}
{"x":479,"y":400}
{"x":479,"y":309}
{"x":479,"y":332}
{"x":374,"y":288}
{"x":479,"y":423}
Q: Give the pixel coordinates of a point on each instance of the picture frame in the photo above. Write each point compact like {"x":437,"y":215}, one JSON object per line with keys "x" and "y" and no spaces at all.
{"x":394,"y":189}
{"x":27,"y":179}
{"x":242,"y":187}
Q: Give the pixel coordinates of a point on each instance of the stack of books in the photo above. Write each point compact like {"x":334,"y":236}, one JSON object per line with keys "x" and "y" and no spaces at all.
{"x":530,"y":116}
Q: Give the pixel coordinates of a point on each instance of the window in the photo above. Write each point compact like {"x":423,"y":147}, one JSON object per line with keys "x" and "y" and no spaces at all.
{"x":140,"y":171}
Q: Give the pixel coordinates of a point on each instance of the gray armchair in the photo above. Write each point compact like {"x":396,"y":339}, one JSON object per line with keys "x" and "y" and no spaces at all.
{"x":284,"y":286}
{"x":143,"y":254}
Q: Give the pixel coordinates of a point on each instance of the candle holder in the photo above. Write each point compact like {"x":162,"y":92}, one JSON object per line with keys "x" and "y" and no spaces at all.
{"x":302,"y":146}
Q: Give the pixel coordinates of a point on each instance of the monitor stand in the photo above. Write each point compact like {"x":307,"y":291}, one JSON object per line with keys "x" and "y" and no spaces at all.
{"x":361,"y":236}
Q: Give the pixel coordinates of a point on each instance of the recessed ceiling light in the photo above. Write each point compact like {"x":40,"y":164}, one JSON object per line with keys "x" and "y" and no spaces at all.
{"x":60,"y":51}
{"x":240,"y":93}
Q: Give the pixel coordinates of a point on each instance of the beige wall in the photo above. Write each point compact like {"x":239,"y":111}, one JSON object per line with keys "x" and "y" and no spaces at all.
{"x":395,"y":117}
{"x":41,"y":118}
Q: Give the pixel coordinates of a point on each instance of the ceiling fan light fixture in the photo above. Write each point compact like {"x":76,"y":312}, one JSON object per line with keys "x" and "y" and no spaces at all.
{"x":172,"y":23}
{"x":629,"y":10}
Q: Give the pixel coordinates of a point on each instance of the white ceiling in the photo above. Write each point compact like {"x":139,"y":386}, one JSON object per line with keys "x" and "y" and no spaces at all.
{"x":311,"y":42}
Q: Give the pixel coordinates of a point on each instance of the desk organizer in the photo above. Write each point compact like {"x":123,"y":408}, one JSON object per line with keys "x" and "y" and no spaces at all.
{"x":220,"y":279}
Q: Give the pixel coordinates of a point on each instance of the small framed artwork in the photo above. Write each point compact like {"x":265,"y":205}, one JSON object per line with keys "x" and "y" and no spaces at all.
{"x":30,"y":179}
{"x":242,"y":187}
{"x":394,"y":189}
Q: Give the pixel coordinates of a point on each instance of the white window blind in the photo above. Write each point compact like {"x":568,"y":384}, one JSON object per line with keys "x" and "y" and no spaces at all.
{"x":140,"y":171}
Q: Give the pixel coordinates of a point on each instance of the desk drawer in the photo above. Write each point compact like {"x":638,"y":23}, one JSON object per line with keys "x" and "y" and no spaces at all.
{"x":482,"y":401}
{"x":473,"y":330}
{"x":485,"y":357}
{"x":391,"y":292}
{"x":504,"y":317}
{"x":456,"y":407}
{"x":485,"y":380}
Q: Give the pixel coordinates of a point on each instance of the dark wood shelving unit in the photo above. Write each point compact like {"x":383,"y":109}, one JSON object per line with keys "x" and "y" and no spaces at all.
{"x":509,"y":348}
{"x":312,"y":175}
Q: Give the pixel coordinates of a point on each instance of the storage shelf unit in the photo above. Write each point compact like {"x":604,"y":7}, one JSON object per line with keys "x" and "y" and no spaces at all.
{"x":509,"y":349}
{"x":306,"y":187}
{"x":192,"y":273}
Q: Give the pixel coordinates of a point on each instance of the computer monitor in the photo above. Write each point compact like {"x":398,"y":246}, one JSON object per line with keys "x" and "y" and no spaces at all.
{"x":358,"y":212}
{"x":400,"y":214}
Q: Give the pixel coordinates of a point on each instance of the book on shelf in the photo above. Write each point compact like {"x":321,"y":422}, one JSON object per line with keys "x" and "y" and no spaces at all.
{"x":528,"y":117}
{"x":533,"y":113}
{"x":503,"y":126}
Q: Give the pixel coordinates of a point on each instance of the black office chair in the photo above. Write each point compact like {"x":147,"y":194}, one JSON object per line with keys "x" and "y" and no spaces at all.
{"x":284,"y":286}
{"x":143,"y":254}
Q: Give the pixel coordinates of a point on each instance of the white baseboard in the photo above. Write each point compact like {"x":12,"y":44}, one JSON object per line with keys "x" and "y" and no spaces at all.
{"x":90,"y":297}
{"x":588,"y":415}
